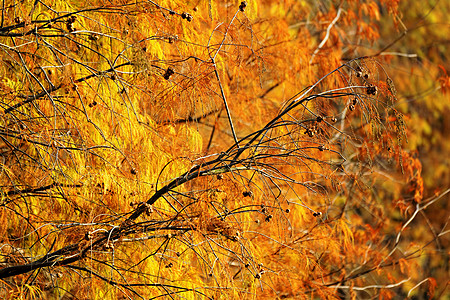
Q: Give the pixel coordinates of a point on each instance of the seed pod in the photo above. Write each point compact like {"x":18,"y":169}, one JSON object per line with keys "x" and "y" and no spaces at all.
{"x":371,"y":90}
{"x":187,"y":16}
{"x":149,"y":210}
{"x":169,"y":72}
{"x":88,"y":236}
{"x":71,"y":19}
{"x":243,"y":5}
{"x":172,"y":38}
{"x":247,"y":193}
{"x":70,"y":27}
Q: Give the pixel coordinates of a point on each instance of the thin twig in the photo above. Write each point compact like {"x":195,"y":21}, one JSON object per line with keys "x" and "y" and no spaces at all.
{"x":325,"y":39}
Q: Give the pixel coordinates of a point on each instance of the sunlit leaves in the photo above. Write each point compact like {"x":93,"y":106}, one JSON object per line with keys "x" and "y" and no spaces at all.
{"x":119,"y":157}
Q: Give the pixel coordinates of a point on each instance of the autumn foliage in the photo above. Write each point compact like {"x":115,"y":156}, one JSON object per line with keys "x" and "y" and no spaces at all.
{"x":218,"y":150}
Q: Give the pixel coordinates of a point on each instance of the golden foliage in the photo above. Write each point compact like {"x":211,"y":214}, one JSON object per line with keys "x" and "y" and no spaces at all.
{"x":203,"y":150}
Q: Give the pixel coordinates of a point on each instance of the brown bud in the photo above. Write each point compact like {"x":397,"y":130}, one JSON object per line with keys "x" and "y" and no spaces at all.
{"x":187,"y":16}
{"x":69,"y":27}
{"x":88,"y":236}
{"x":71,"y":19}
{"x":243,"y":5}
{"x":247,"y":193}
{"x":169,"y":72}
{"x":371,"y":90}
